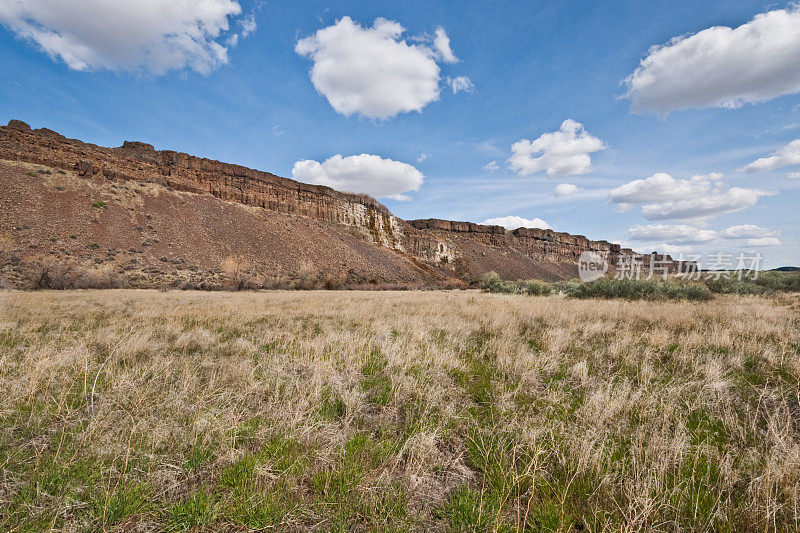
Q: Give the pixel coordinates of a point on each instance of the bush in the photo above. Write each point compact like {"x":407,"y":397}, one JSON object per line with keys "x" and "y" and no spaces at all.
{"x":334,"y":281}
{"x":94,"y":278}
{"x":239,"y":274}
{"x":58,"y":275}
{"x":566,"y":287}
{"x":492,"y":282}
{"x":100,"y":204}
{"x":634,"y":289}
{"x":764,"y":282}
{"x":538,"y":288}
{"x":779,"y":281}
{"x":55,"y":275}
{"x":307,"y":276}
{"x":733,"y":286}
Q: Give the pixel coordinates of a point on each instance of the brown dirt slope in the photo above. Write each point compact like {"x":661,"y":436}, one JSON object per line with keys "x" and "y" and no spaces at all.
{"x":151,"y":235}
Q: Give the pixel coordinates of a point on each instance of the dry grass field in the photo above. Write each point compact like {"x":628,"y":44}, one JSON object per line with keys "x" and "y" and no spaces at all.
{"x":142,"y":410}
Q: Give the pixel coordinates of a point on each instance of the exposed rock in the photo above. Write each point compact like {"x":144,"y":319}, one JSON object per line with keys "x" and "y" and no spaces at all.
{"x":139,"y":150}
{"x":83,"y":168}
{"x":15,"y":124}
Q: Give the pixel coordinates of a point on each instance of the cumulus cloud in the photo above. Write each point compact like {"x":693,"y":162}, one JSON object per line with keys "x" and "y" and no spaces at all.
{"x":718,"y":203}
{"x":680,"y":234}
{"x":676,"y":234}
{"x":154,"y":36}
{"x":365,"y":173}
{"x":744,"y":231}
{"x":441,"y":43}
{"x":721,"y":66}
{"x":564,"y":189}
{"x":491,"y":166}
{"x":460,"y":83}
{"x":561,"y":153}
{"x":513,"y":222}
{"x":764,"y":241}
{"x":663,"y":197}
{"x":661,"y":187}
{"x":373,"y":71}
{"x":786,"y":156}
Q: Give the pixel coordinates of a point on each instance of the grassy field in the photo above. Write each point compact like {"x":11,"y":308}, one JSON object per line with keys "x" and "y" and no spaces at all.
{"x":466,"y":411}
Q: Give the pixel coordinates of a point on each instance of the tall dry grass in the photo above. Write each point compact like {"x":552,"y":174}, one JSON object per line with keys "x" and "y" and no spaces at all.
{"x":397,"y":410}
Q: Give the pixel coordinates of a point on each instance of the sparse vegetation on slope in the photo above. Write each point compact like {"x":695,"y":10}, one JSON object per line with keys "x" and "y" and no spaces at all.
{"x":411,"y":410}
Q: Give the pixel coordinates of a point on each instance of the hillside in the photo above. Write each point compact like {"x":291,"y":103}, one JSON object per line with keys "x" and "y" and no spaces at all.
{"x":136,"y":216}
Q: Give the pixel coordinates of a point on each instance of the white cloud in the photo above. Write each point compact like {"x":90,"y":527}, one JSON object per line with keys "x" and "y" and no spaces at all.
{"x":786,"y":156}
{"x":373,"y":71}
{"x":248,"y":24}
{"x":663,"y":197}
{"x":491,"y":166}
{"x":441,"y":43}
{"x":794,"y":175}
{"x":422,"y":157}
{"x":661,"y":187}
{"x":460,"y":83}
{"x":718,"y":203}
{"x":564,"y":189}
{"x":745,"y":231}
{"x":721,"y":66}
{"x":764,"y":241}
{"x":673,"y":248}
{"x":369,"y":174}
{"x":561,"y":153}
{"x":155,"y":36}
{"x":513,"y":222}
{"x":678,"y":234}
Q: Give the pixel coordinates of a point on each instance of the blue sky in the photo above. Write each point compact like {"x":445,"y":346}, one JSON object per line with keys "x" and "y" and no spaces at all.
{"x":531,"y":66}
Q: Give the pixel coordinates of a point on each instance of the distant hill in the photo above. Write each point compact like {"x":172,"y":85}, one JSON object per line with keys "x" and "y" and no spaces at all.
{"x":145,"y":217}
{"x":785,"y":269}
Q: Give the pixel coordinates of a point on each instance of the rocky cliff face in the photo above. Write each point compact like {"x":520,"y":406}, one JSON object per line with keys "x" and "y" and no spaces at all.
{"x":141,"y":162}
{"x":538,"y":244}
{"x":438,"y":249}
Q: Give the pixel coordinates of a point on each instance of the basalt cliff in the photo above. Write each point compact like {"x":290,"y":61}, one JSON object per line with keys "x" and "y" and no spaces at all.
{"x":137,"y":216}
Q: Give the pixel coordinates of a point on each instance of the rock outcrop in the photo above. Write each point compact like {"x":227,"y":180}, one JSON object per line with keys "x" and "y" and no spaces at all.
{"x":538,"y":244}
{"x":437,"y":249}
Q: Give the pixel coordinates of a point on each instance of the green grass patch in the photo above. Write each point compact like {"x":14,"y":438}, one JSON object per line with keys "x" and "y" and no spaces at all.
{"x":331,"y":406}
{"x":376,"y":382}
{"x":198,"y":510}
